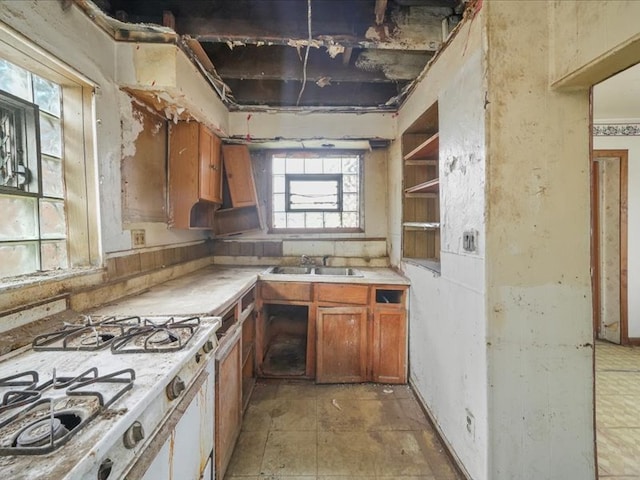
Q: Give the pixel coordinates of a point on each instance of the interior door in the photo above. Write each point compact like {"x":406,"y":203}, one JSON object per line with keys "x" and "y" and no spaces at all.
{"x":609,"y":226}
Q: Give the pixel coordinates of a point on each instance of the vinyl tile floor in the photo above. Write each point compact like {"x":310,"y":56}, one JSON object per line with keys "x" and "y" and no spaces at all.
{"x":303,"y":431}
{"x":618,"y":411}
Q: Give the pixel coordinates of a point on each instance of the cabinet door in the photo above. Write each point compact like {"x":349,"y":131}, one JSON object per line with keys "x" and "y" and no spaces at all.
{"x":341,"y":345}
{"x":210,"y":167}
{"x":228,"y":400}
{"x":389,"y":346}
{"x":237,"y":165}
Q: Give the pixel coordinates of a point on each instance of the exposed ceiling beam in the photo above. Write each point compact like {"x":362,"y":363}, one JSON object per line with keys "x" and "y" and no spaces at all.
{"x":428,"y":38}
{"x":275,"y":93}
{"x":272,"y":63}
{"x":380,"y":10}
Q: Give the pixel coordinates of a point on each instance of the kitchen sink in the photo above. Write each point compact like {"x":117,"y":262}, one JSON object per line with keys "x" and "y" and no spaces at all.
{"x":326,"y":271}
{"x":291,"y":270}
{"x":335,"y":271}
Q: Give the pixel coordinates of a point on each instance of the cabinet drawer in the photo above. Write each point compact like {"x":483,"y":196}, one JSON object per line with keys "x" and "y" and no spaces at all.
{"x":343,"y":294}
{"x":286,"y":291}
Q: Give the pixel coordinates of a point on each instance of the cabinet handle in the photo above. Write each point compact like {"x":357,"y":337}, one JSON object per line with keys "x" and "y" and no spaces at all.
{"x":214,"y":167}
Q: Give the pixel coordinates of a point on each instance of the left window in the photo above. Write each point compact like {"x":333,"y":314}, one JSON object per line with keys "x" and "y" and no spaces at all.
{"x":33,"y":236}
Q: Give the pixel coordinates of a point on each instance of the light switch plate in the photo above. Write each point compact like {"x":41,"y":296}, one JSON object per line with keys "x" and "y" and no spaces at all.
{"x":470,"y":241}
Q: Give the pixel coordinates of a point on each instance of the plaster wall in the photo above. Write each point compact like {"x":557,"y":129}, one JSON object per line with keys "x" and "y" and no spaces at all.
{"x":311,"y":125}
{"x":632,"y":144}
{"x":447,"y":350}
{"x":540,"y":341}
{"x":591,"y":40}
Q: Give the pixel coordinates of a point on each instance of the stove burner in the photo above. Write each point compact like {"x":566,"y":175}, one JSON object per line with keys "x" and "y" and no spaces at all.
{"x":47,"y":422}
{"x":41,"y":432}
{"x":97,"y":339}
{"x":162,"y":337}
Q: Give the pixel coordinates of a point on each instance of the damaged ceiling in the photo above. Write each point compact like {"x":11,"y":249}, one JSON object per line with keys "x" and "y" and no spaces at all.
{"x":303,"y":53}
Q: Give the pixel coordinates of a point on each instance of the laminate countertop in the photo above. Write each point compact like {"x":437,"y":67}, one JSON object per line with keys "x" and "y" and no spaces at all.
{"x":211,"y":290}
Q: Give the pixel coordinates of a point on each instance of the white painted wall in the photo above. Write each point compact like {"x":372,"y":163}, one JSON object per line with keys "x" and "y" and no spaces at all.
{"x":447,"y":349}
{"x":311,"y":125}
{"x":539,"y":330}
{"x":72,"y":39}
{"x":632,"y":144}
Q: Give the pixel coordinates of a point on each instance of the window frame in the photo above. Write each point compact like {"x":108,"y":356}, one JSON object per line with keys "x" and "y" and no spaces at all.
{"x":315,"y":153}
{"x":30,"y":112}
{"x":312,"y":177}
{"x":79,"y":156}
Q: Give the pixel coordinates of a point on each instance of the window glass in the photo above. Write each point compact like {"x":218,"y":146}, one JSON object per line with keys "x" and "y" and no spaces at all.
{"x":54,"y":255}
{"x":15,"y":80}
{"x":278,"y":184}
{"x":52,"y":219}
{"x":52,"y":177}
{"x":47,"y":95}
{"x":19,"y":258}
{"x":21,"y":218}
{"x":31,"y":174}
{"x":50,"y":136}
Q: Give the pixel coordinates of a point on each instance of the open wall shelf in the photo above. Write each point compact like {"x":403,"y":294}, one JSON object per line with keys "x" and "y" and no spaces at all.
{"x":421,"y":202}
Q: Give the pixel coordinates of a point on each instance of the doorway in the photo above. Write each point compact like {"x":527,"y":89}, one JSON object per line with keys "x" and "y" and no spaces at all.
{"x":609,"y":187}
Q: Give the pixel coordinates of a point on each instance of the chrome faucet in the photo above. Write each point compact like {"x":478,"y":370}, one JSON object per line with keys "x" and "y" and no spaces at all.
{"x":324,"y":260}
{"x":305,"y":260}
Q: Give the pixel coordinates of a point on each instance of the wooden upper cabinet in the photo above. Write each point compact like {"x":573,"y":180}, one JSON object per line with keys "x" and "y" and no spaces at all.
{"x":240,"y":210}
{"x":195,"y":175}
{"x":237,"y":165}
{"x":210,"y":166}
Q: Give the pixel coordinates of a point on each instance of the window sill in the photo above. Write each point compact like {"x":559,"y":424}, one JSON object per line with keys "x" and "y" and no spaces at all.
{"x":42,"y":278}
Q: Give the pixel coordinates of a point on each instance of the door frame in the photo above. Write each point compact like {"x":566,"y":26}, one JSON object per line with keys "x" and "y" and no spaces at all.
{"x":595,"y":240}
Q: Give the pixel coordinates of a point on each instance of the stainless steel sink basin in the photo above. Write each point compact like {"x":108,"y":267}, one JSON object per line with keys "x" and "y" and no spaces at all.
{"x":335,"y":271}
{"x":291,"y":270}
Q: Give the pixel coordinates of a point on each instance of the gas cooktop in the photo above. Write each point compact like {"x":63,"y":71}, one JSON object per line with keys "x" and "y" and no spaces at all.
{"x":75,"y":395}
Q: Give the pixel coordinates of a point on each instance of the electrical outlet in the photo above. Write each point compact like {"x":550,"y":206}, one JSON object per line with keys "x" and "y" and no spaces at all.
{"x":470,"y":240}
{"x":138,"y":238}
{"x":471,"y":424}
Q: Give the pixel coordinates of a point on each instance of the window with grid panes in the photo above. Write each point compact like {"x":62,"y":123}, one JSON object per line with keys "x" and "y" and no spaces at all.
{"x":316,"y":191}
{"x":33,"y":236}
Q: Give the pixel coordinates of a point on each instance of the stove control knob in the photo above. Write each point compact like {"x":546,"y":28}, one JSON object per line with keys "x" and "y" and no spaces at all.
{"x":208,"y":346}
{"x":175,"y":388}
{"x":133,"y":435}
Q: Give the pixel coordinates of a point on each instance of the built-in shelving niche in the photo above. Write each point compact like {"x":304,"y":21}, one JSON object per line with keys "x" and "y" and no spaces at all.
{"x":421,"y":187}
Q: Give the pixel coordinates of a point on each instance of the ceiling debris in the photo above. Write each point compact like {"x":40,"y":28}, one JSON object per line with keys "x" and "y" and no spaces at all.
{"x":360,"y":55}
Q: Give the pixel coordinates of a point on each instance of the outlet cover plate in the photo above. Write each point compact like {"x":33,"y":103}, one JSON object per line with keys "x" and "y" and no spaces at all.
{"x":138,"y":238}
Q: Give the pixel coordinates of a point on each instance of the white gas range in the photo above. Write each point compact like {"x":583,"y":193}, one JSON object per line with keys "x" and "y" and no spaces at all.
{"x":111,"y":398}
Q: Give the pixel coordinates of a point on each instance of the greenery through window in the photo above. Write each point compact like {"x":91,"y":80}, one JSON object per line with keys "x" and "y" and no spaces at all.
{"x":33,"y":237}
{"x":316,"y":191}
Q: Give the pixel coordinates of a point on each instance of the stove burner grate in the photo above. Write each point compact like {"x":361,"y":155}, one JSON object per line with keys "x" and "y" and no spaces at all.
{"x":169,"y":335}
{"x":47,"y":422}
{"x":88,"y":336}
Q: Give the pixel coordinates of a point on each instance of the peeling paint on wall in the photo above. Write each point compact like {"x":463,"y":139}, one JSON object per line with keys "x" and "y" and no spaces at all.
{"x":132,"y":123}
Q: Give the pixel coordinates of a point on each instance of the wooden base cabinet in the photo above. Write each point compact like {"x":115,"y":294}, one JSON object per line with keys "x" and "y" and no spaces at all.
{"x":341,"y":345}
{"x":361,"y":343}
{"x":388,"y":346}
{"x":228,"y":410}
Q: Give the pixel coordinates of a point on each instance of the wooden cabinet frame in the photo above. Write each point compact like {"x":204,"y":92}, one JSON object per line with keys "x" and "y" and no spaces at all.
{"x":380,"y":310}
